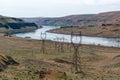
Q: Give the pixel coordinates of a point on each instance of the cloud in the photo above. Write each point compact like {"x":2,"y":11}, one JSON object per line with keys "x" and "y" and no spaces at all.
{"x":58,"y":2}
{"x":101,"y":2}
{"x":55,"y":7}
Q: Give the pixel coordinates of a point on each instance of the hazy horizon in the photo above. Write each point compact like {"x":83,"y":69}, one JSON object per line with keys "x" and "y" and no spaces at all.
{"x":54,"y":8}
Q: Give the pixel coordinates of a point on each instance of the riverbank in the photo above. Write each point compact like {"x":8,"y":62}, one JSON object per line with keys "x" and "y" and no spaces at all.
{"x":97,"y":62}
{"x":108,"y":32}
{"x":67,"y":38}
{"x":15,"y":31}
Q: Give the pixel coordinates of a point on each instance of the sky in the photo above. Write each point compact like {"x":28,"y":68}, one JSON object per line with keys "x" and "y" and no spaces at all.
{"x":55,"y":8}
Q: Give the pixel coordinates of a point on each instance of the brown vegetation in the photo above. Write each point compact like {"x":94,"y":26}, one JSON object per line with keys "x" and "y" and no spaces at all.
{"x":111,"y":31}
{"x":104,"y":63}
{"x":84,"y":20}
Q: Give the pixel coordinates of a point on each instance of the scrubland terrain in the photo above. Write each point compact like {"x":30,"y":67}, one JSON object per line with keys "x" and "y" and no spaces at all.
{"x":97,"y":62}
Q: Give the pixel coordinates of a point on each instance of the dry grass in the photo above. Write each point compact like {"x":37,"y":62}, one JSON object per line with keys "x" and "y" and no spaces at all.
{"x":103,"y":64}
{"x":112,"y":31}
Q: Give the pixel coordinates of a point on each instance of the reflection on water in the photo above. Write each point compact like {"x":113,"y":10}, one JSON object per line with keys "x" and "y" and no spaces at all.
{"x":85,"y":39}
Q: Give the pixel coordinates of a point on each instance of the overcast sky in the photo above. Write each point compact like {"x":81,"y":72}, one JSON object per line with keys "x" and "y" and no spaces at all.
{"x":55,"y":8}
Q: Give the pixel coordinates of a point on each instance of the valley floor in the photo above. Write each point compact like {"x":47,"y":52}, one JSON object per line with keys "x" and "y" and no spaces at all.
{"x":56,"y":63}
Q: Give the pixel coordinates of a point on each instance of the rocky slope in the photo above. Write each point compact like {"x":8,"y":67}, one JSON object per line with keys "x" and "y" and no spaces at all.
{"x":5,"y":61}
{"x":11,"y":24}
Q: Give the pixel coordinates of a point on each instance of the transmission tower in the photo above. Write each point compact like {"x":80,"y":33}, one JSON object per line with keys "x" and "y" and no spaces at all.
{"x":76,"y":57}
{"x":43,"y":38}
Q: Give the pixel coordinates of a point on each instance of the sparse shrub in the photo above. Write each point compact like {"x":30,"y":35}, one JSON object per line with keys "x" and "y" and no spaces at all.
{"x":7,"y":34}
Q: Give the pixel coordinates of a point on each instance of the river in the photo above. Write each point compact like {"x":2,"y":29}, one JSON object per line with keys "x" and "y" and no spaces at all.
{"x":115,"y":42}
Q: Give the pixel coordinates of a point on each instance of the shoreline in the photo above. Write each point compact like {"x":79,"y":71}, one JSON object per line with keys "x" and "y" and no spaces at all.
{"x":61,"y":31}
{"x":35,"y":40}
{"x":15,"y":31}
{"x":77,"y":34}
{"x":68,"y":43}
{"x":28,"y":30}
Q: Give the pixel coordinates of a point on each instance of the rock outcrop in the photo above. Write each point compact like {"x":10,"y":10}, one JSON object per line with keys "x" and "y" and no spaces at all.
{"x":5,"y":61}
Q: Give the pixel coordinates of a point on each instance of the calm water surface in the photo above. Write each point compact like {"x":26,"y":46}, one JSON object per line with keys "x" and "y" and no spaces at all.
{"x":67,"y":38}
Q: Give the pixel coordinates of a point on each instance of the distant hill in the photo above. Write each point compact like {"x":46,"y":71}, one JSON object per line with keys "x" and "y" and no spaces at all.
{"x":59,"y":21}
{"x":101,"y":19}
{"x":10,"y":24}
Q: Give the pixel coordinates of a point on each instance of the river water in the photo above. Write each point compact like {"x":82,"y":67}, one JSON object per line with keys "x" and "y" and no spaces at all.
{"x":115,"y":42}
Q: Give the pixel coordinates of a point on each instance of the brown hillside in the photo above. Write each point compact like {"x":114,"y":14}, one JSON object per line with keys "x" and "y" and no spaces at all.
{"x":107,"y":18}
{"x":110,"y":18}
